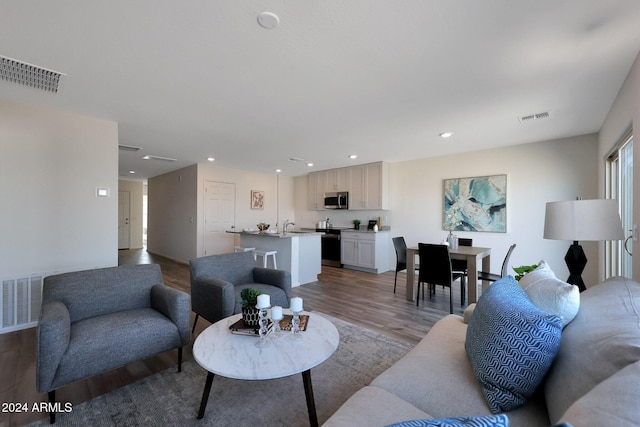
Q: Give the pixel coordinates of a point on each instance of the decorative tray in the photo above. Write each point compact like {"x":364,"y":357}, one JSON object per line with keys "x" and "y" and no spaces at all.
{"x":240,"y":328}
{"x":285,"y":323}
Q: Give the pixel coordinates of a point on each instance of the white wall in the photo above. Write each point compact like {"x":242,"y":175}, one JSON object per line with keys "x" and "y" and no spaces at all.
{"x":176,"y":206}
{"x":624,"y":112}
{"x":136,"y":193}
{"x":50,"y":166}
{"x":536,"y":173}
{"x":172,"y":214}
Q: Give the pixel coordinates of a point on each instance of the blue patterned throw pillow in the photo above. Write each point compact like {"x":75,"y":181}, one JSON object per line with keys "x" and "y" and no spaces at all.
{"x":511,"y":345}
{"x":481,"y":421}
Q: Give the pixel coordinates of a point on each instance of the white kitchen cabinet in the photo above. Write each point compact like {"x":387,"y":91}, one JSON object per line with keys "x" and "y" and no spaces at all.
{"x":365,"y":250}
{"x":316,"y":191}
{"x":336,"y":180}
{"x":369,"y":187}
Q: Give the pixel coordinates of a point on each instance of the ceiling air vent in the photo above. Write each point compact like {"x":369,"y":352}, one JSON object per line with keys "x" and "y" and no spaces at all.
{"x":128,"y":147}
{"x":534,"y":117}
{"x":166,"y":159}
{"x":15,"y":71}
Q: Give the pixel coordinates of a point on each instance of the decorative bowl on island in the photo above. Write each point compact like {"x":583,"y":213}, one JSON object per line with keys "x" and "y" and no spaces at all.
{"x":263,"y":226}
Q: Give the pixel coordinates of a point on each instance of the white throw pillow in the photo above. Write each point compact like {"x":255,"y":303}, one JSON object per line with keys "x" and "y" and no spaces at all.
{"x":551,"y":294}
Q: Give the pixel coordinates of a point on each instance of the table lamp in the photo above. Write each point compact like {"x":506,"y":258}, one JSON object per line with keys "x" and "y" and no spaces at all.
{"x":590,"y":220}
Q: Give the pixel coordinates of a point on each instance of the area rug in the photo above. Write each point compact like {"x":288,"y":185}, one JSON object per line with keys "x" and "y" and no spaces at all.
{"x":170,"y":398}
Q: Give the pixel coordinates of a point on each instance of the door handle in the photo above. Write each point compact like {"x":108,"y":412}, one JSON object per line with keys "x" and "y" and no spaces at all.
{"x":626,"y":248}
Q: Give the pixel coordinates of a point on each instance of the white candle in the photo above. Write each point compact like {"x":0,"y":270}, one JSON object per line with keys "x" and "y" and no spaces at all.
{"x":296,"y":304}
{"x":264,"y":301}
{"x":276,"y":312}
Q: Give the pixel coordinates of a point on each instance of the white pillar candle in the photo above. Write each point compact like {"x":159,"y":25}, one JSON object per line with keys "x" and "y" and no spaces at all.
{"x":296,"y":304}
{"x":264,"y":301}
{"x":276,"y":312}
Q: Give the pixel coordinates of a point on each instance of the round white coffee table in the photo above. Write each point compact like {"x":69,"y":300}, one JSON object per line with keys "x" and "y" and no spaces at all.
{"x":220,"y":352}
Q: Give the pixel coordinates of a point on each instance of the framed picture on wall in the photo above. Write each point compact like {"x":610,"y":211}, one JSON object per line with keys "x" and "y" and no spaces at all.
{"x":476,"y":204}
{"x":257,"y":199}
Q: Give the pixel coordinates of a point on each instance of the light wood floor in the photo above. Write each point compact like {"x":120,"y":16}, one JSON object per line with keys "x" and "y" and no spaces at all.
{"x":361,"y":298}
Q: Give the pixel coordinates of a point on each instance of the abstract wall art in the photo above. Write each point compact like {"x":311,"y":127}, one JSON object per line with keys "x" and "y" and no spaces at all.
{"x":476,"y":204}
{"x":257,"y":199}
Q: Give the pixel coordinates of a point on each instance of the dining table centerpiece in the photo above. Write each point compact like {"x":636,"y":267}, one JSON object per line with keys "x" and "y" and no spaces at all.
{"x":450,"y":223}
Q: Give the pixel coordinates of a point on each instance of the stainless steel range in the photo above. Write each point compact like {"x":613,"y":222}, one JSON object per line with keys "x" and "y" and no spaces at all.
{"x":330,"y":246}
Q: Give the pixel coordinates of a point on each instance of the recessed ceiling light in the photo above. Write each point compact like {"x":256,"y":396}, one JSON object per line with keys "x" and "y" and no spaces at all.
{"x":211,"y":159}
{"x":278,"y":170}
{"x":353,"y":156}
{"x":309,"y":164}
{"x":132,"y":171}
{"x":446,"y":134}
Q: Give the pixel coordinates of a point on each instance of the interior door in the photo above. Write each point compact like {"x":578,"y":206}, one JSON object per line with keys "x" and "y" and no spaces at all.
{"x":219,"y":217}
{"x":124,"y":212}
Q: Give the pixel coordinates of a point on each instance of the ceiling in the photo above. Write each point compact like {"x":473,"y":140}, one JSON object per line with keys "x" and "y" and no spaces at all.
{"x":377,"y":78}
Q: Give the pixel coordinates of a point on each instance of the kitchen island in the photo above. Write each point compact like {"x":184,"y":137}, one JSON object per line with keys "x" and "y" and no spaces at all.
{"x":298,"y":252}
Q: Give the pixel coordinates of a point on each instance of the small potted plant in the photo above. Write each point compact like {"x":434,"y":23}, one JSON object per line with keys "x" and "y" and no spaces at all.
{"x":249,"y":301}
{"x":522,"y":270}
{"x":356,"y":224}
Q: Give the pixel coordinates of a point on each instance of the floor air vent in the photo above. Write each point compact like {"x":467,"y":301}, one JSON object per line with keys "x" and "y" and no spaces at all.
{"x":15,"y":71}
{"x":20,"y":302}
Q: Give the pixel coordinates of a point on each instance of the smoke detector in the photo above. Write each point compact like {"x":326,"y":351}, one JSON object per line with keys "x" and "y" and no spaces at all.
{"x":19,"y":72}
{"x":268,"y":20}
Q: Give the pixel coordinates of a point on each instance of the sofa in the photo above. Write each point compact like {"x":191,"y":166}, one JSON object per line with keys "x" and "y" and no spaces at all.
{"x":96,"y":320}
{"x":592,"y":377}
{"x":218,"y":280}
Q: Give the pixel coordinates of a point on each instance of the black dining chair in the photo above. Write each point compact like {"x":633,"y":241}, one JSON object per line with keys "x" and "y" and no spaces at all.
{"x":492,"y":277}
{"x":400,"y":246}
{"x":435,"y":269}
{"x":460,"y":266}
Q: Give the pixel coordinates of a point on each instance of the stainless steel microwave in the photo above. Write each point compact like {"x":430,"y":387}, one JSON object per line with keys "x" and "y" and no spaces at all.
{"x":339,"y":200}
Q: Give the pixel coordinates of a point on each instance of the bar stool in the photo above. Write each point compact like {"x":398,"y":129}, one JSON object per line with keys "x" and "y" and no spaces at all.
{"x":243,"y":249}
{"x":265,"y":254}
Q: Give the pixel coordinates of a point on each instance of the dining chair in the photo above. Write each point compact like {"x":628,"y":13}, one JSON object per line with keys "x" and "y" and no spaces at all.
{"x":435,"y":269}
{"x":400,"y":246}
{"x":492,"y":277}
{"x":460,"y":266}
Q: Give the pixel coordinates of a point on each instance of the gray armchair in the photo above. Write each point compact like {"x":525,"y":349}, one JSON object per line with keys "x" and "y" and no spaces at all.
{"x":97,"y":320}
{"x":217,"y":280}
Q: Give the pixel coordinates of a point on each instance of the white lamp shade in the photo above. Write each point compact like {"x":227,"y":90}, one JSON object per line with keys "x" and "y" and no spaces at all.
{"x":593,"y":220}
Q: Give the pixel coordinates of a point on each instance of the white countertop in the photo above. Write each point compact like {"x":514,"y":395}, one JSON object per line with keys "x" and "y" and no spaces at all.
{"x":278,"y":235}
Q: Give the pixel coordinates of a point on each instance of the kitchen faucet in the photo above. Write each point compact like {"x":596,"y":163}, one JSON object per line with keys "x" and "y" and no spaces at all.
{"x":286,"y":224}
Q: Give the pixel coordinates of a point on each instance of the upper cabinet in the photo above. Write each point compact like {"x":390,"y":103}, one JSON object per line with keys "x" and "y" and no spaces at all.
{"x":368,"y":186}
{"x":316,"y":191}
{"x":335,"y":179}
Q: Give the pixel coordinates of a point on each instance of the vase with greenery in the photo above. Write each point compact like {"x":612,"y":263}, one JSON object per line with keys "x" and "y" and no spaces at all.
{"x":249,"y":301}
{"x":356,"y":224}
{"x":451,"y":222}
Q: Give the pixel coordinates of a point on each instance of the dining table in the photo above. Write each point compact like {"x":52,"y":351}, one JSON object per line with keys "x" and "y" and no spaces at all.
{"x":474,"y":256}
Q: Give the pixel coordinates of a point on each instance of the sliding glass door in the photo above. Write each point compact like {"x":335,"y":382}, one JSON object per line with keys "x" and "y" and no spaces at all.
{"x":620,"y":187}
